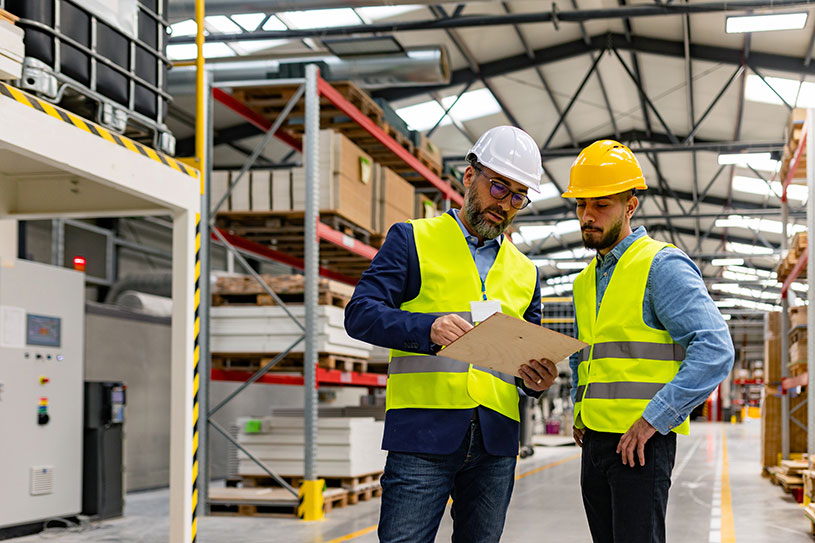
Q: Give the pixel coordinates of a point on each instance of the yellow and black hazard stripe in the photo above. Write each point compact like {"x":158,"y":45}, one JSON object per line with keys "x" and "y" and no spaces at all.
{"x":196,"y":356}
{"x":58,"y":113}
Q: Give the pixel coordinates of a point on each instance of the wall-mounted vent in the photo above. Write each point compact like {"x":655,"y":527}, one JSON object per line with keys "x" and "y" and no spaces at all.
{"x":42,"y":480}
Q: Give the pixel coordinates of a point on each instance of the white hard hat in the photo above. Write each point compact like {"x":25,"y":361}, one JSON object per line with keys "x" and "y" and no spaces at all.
{"x":510,"y":152}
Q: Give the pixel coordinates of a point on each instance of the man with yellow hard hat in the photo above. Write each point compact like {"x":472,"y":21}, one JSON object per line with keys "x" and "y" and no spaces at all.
{"x":658,"y":347}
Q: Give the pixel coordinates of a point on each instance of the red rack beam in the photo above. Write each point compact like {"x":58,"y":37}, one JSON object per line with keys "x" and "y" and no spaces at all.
{"x":345,"y":241}
{"x":254,"y":118}
{"x":326,"y":90}
{"x":796,"y":270}
{"x":324,"y":377}
{"x":277,"y":256}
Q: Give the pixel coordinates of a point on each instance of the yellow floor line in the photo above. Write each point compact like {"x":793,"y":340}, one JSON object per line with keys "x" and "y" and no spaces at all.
{"x":370,"y":529}
{"x":728,"y":526}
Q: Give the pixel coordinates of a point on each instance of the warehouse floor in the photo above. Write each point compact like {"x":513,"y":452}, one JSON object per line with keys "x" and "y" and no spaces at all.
{"x":546,"y":502}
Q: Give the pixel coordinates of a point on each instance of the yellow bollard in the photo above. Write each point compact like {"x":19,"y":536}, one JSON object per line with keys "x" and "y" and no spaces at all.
{"x":312,"y":505}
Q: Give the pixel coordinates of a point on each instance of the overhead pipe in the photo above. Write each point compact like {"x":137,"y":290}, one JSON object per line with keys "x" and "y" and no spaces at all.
{"x":185,"y":9}
{"x":416,"y":66}
{"x":469,"y":21}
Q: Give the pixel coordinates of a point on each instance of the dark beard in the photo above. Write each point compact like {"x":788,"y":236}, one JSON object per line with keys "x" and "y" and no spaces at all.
{"x":483,"y":226}
{"x":607,"y":240}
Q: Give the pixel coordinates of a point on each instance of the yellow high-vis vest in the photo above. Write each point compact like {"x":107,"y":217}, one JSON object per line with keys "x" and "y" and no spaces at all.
{"x":449,"y":282}
{"x":627,"y":362}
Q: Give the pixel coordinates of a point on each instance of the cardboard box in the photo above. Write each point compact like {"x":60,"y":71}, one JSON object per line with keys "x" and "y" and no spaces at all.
{"x":772,"y":347}
{"x":424,"y":207}
{"x":798,"y":316}
{"x":393,"y":199}
{"x":346,"y":180}
{"x":241,"y":199}
{"x":218,"y":185}
{"x":281,"y":190}
{"x":261,"y":190}
{"x":798,"y":351}
{"x":12,"y":50}
{"x":771,"y":428}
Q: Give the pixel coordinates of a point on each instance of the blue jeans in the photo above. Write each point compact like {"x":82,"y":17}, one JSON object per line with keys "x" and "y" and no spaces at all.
{"x":415,"y":489}
{"x":626,"y":504}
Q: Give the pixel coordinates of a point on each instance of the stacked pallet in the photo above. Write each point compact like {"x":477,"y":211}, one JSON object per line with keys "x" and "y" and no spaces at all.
{"x":771,"y":404}
{"x":247,"y":332}
{"x":788,"y":475}
{"x":12,"y":49}
{"x":353,"y":189}
{"x":270,"y":101}
{"x":798,"y":248}
{"x":798,"y":341}
{"x":792,"y":133}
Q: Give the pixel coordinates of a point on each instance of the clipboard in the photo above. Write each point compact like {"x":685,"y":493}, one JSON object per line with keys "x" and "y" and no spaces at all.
{"x":503,"y":343}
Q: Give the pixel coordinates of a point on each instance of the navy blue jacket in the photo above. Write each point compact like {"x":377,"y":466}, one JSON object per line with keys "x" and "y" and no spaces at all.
{"x":373,"y":315}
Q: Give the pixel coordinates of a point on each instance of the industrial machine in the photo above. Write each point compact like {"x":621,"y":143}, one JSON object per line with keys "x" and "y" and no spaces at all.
{"x":41,"y":366}
{"x":102,"y":473}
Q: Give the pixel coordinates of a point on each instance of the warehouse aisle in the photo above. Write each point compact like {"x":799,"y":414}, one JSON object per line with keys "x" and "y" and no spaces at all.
{"x":713,"y":499}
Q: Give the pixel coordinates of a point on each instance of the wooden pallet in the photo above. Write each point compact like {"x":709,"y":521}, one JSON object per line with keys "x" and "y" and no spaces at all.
{"x":269,"y":101}
{"x":794,"y":131}
{"x":797,"y":248}
{"x":285,"y":225}
{"x":284,"y":231}
{"x":292,"y":362}
{"x":359,"y":483}
{"x":267,"y":502}
{"x":243,"y":290}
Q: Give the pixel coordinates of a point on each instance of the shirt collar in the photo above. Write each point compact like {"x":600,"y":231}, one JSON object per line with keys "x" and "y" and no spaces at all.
{"x":471,"y":239}
{"x":621,"y":247}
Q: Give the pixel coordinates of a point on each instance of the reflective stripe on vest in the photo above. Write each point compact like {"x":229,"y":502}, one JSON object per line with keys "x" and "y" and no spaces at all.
{"x":627,"y":362}
{"x":449,"y":282}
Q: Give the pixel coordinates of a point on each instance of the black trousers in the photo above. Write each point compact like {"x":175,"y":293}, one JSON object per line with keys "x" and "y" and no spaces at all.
{"x":625,"y":504}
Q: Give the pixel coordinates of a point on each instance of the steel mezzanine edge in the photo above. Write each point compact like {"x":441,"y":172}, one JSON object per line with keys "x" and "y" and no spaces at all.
{"x":92,"y":128}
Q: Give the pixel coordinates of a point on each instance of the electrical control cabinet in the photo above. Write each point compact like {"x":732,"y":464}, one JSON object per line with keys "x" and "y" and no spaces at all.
{"x":41,"y":392}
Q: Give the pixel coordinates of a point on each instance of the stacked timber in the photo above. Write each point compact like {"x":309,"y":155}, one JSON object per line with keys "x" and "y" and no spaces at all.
{"x":797,"y":249}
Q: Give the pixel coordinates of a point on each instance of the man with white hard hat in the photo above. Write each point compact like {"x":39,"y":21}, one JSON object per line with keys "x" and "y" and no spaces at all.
{"x":452,"y":430}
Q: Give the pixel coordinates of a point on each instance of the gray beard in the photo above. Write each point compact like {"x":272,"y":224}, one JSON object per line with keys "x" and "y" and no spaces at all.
{"x":482,"y":226}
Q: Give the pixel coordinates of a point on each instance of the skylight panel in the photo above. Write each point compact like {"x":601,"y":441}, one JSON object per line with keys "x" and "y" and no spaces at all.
{"x":320,"y":18}
{"x":376,"y":13}
{"x":222,"y":24}
{"x":753,"y":271}
{"x":743,"y":291}
{"x":757,"y":91}
{"x":471,"y":105}
{"x":249,"y":21}
{"x":184,"y":28}
{"x":765,"y":22}
{"x":758,"y":161}
{"x":754,"y":223}
{"x":187,"y":51}
{"x":274,"y":24}
{"x":747,"y":249}
{"x":750,"y":304}
{"x":423,"y":116}
{"x":251,"y":47}
{"x":536,"y":232}
{"x":753,"y":185}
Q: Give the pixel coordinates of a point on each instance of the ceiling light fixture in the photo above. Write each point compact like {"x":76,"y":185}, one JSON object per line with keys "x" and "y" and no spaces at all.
{"x":766,"y":22}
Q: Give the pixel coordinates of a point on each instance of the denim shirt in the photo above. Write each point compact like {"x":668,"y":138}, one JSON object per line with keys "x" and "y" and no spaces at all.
{"x":485,"y":255}
{"x":676,"y":300}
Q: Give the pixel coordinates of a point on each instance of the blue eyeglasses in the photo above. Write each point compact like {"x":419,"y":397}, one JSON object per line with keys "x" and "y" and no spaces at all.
{"x":499,"y":191}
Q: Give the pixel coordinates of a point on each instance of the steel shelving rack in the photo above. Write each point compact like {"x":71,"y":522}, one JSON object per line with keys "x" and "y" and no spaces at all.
{"x":806,"y":145}
{"x":313,"y":87}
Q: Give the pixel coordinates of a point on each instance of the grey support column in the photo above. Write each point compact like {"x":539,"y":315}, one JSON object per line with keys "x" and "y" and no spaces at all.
{"x":312,"y":255}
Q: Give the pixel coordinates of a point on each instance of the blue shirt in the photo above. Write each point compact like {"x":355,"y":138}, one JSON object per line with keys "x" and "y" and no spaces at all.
{"x":676,"y":300}
{"x":374,"y":315}
{"x":484,"y":255}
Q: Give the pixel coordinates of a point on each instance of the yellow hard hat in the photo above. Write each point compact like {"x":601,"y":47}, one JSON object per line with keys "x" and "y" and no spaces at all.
{"x":604,"y":168}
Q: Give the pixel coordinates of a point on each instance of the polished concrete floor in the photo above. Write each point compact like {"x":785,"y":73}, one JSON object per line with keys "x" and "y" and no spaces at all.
{"x":711,"y":485}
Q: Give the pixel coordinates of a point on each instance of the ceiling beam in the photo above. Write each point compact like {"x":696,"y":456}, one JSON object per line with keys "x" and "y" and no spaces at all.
{"x":567,"y":50}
